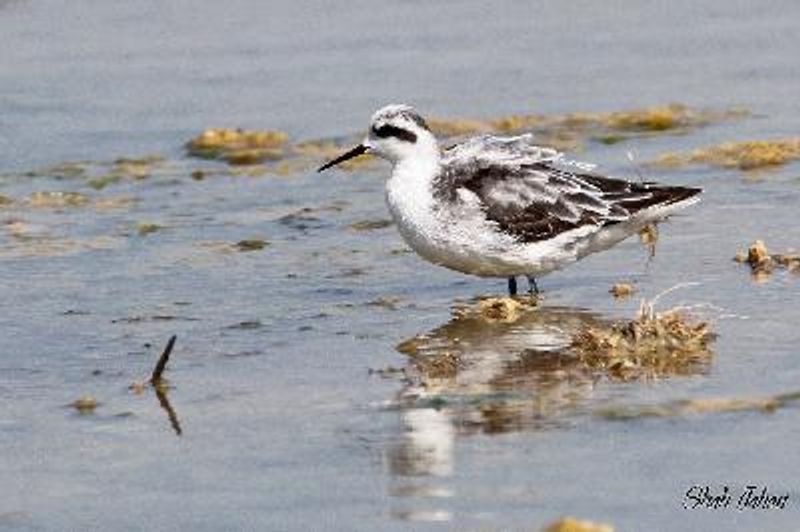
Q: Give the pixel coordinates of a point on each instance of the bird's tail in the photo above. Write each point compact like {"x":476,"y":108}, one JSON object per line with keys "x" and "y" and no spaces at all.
{"x":664,"y":201}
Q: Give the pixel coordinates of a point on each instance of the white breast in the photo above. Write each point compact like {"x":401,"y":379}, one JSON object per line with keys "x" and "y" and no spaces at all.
{"x":456,"y":236}
{"x":411,"y":203}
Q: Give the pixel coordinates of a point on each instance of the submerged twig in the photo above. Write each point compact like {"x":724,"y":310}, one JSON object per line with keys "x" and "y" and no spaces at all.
{"x":159,"y":385}
{"x":161,"y":365}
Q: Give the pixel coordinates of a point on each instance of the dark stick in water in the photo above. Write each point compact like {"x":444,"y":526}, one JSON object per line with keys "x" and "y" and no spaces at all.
{"x":162,"y":362}
{"x":161,"y":391}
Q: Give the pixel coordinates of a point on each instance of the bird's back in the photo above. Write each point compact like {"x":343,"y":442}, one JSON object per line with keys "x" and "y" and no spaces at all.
{"x":533,"y":194}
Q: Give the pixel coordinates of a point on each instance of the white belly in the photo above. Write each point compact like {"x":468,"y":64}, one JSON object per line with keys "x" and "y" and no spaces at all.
{"x":462,"y":239}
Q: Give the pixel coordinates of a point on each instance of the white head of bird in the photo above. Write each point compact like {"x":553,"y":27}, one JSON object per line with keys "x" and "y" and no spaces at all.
{"x":396,"y":133}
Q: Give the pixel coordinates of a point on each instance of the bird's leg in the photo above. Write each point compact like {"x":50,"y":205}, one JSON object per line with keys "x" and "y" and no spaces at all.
{"x":533,"y":289}
{"x":512,"y":286}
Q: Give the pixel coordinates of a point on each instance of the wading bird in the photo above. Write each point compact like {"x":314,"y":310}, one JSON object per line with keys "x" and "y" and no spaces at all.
{"x":501,"y":206}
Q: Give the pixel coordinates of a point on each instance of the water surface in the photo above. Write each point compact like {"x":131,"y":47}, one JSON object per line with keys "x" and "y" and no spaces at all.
{"x":283,"y":425}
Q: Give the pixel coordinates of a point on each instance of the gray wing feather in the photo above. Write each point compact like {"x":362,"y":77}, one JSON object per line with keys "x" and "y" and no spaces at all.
{"x":523,"y":188}
{"x":487,"y":150}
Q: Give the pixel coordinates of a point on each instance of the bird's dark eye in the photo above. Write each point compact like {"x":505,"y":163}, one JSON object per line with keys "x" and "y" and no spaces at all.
{"x":388,"y":130}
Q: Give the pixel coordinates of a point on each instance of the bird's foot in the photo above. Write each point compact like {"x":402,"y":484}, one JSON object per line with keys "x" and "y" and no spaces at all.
{"x":512,"y":286}
{"x":533,"y":288}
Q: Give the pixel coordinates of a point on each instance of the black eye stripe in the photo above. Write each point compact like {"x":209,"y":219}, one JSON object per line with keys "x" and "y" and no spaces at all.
{"x":388,"y":130}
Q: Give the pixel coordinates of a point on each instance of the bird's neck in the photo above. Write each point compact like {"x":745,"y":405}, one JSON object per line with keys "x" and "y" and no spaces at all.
{"x":409,"y":191}
{"x":417,"y":172}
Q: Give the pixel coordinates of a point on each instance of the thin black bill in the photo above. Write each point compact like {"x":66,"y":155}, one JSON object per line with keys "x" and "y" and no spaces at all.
{"x":355,"y":152}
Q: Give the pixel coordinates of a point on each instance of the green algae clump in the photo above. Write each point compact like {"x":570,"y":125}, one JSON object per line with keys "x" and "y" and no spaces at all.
{"x":651,"y":119}
{"x":745,"y":155}
{"x":146,"y":228}
{"x":762,"y":263}
{"x":567,"y":131}
{"x":57,"y":199}
{"x":750,"y":154}
{"x":701,"y":406}
{"x":370,"y":225}
{"x":651,"y":344}
{"x":497,"y":309}
{"x":622,"y":290}
{"x":238,"y":146}
{"x":85,"y":404}
{"x":571,"y":524}
{"x":251,"y":244}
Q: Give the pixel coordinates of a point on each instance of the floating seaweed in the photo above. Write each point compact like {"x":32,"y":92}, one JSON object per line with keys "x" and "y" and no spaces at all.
{"x":114,"y":203}
{"x":655,"y":118}
{"x":146,"y":228}
{"x":491,"y":309}
{"x":561,"y":131}
{"x":746,"y":155}
{"x":571,"y":524}
{"x":238,"y":146}
{"x":386,"y":302}
{"x":651,"y":344}
{"x":136,"y":167}
{"x":443,"y":366}
{"x":762,"y":263}
{"x":85,"y":404}
{"x":693,"y":407}
{"x":622,"y":290}
{"x":65,"y":170}
{"x":35,"y":240}
{"x":370,"y":225}
{"x":565,"y":130}
{"x":292,"y":166}
{"x":251,"y":244}
{"x":57,"y":200}
{"x":100,"y":174}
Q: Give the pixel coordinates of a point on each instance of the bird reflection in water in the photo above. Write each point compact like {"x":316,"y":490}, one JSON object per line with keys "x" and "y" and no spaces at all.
{"x":499,"y":365}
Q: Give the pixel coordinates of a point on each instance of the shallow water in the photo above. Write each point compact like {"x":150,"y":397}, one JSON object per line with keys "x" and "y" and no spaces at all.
{"x":283,"y":425}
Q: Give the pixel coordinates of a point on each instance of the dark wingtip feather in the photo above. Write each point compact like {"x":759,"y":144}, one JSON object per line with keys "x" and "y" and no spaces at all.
{"x":659,"y":195}
{"x":678,"y":194}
